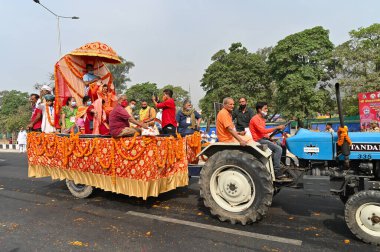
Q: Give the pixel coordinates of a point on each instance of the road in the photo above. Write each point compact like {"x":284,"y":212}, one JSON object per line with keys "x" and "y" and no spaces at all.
{"x":42,"y":215}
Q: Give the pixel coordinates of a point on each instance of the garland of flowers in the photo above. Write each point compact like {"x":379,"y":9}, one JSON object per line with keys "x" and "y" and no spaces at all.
{"x":48,"y":115}
{"x":72,"y":68}
{"x":112,"y":155}
{"x":68,"y":84}
{"x":131,"y":144}
{"x":195,"y":142}
{"x":67,"y":145}
{"x":162,"y":158}
{"x":343,"y":135}
{"x":52,"y":144}
{"x":57,"y":106}
{"x":49,"y":144}
{"x":41,"y":145}
{"x":179,"y":147}
{"x":145,"y":142}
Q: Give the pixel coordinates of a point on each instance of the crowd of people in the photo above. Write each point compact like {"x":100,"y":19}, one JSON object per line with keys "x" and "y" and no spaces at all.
{"x":248,"y":128}
{"x":102,"y":113}
{"x":372,"y":126}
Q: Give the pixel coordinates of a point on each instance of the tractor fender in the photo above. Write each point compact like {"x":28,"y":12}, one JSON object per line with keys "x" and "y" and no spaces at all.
{"x":261,"y":152}
{"x":291,"y":158}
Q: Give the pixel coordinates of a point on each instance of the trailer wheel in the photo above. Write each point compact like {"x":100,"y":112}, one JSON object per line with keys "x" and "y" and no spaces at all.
{"x":236,"y":187}
{"x":79,"y":190}
{"x":362,"y":214}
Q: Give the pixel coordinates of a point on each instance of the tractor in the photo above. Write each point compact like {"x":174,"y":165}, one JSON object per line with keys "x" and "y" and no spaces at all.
{"x":237,"y":183}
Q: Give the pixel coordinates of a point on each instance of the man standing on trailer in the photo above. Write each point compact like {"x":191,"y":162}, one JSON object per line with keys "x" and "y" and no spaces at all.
{"x":169,"y":123}
{"x":36,"y":119}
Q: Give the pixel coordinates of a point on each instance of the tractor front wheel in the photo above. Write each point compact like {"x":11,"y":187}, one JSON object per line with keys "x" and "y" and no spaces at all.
{"x":362,"y":214}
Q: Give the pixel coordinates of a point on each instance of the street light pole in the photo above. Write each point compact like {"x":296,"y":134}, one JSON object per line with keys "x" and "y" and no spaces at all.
{"x":59,"y":38}
{"x":59,"y":30}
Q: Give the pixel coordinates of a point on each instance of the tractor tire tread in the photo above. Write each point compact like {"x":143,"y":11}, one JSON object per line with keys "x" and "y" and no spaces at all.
{"x":263,"y":175}
{"x":350,"y":212}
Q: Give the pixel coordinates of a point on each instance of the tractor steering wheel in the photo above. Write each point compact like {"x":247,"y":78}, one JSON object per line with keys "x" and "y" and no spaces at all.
{"x":278,"y":131}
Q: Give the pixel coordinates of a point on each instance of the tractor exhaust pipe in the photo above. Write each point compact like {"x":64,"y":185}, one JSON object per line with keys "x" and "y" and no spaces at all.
{"x":345,"y":148}
{"x":339,"y":101}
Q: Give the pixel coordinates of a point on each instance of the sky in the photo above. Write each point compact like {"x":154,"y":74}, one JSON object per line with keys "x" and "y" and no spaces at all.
{"x":169,"y":41}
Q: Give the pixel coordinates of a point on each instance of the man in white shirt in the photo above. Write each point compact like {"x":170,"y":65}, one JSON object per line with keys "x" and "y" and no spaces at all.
{"x":329,"y":128}
{"x":48,"y":115}
{"x":45,"y":89}
{"x":21,"y":140}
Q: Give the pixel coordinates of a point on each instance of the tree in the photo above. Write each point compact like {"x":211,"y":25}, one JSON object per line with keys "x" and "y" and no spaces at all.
{"x":237,"y":73}
{"x":264,"y":52}
{"x":119,"y":73}
{"x":297,"y":64}
{"x":357,"y":65}
{"x":14,"y":103}
{"x":142,"y":91}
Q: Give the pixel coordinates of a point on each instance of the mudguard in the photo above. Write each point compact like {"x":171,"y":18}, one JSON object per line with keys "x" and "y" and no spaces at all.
{"x":261,"y":152}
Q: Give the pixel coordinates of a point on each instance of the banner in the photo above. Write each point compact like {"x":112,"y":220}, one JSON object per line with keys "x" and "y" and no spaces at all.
{"x":369,"y":109}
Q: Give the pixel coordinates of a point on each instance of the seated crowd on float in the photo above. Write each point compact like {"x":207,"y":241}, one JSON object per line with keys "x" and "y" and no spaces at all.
{"x":102,"y":112}
{"x":84,"y":101}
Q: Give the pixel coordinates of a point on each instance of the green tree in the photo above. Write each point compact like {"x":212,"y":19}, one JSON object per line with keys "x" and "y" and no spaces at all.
{"x":297,"y":64}
{"x":264,"y":52}
{"x":142,"y":91}
{"x":119,"y":73}
{"x":14,"y":103}
{"x":356,"y":64}
{"x":236,"y":73}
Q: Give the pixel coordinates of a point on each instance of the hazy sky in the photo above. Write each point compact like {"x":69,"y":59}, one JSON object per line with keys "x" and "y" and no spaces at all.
{"x":170,"y":41}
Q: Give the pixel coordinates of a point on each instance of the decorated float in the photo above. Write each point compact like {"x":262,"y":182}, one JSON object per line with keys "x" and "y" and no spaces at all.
{"x":140,"y":166}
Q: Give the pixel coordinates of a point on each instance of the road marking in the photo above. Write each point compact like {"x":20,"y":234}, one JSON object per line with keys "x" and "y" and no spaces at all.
{"x":2,"y":160}
{"x":216,"y":228}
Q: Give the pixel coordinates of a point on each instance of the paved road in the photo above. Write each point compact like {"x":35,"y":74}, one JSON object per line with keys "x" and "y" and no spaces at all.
{"x":41,"y":215}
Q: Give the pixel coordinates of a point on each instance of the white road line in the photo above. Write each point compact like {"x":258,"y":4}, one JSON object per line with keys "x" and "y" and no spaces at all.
{"x":216,"y":228}
{"x":2,"y":160}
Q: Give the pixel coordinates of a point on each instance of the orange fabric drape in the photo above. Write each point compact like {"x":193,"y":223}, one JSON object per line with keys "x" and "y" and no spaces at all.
{"x":100,"y":115}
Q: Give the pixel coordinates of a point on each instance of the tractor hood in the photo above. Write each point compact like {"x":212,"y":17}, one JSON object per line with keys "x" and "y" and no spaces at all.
{"x":312,"y":145}
{"x":365,"y":145}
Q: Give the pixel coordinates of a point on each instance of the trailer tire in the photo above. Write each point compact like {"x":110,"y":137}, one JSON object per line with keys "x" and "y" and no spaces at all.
{"x":362,"y":215}
{"x":236,"y":187}
{"x":79,"y":190}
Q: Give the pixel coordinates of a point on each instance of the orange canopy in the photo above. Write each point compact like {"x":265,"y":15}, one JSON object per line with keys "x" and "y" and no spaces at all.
{"x":99,"y":50}
{"x":69,"y":71}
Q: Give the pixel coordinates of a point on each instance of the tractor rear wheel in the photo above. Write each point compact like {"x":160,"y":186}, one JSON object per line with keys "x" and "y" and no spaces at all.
{"x":362,"y":214}
{"x":236,"y":187}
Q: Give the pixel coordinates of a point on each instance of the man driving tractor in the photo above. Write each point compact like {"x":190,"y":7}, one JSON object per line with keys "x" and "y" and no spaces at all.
{"x":260,"y":134}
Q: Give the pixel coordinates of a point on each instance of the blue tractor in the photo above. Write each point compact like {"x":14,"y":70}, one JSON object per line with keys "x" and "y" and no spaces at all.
{"x":237,"y":183}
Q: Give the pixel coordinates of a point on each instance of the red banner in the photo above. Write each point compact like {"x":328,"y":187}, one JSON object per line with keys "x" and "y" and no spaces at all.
{"x":369,"y":109}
